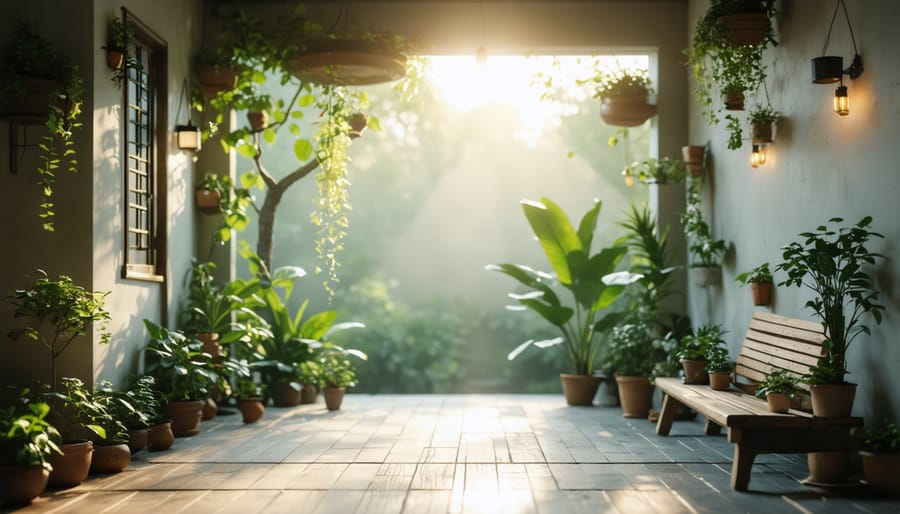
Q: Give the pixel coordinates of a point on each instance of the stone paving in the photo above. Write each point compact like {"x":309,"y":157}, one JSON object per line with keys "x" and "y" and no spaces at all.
{"x":456,"y":454}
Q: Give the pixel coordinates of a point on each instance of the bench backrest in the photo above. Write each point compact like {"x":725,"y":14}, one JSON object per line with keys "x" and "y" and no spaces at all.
{"x":778,"y":342}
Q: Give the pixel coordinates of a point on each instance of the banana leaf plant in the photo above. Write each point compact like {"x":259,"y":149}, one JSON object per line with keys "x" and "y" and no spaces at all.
{"x":293,"y":337}
{"x":589,"y":282}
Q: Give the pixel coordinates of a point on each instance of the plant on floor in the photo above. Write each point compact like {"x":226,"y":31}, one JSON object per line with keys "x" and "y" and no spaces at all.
{"x":31,"y":57}
{"x":116,"y":411}
{"x":591,"y":281}
{"x":58,"y":312}
{"x":81,"y":415}
{"x":630,"y":350}
{"x":883,"y":439}
{"x":26,"y":437}
{"x":247,"y":388}
{"x":182,"y":371}
{"x":335,"y":368}
{"x":704,"y":250}
{"x":778,"y":381}
{"x":831,"y":261}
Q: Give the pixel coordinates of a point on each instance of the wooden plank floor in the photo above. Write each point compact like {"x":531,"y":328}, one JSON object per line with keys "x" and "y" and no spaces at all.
{"x":455,"y":454}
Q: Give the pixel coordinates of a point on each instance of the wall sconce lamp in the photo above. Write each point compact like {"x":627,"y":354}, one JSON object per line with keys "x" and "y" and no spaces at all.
{"x":758,"y":157}
{"x":829,"y":69}
{"x":187,"y":137}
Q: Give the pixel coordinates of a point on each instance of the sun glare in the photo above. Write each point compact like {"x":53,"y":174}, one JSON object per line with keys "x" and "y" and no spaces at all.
{"x":465,"y":84}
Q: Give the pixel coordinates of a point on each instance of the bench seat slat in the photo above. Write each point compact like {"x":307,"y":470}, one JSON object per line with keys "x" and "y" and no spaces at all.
{"x":774,"y":361}
{"x":793,"y":350}
{"x":792,"y":323}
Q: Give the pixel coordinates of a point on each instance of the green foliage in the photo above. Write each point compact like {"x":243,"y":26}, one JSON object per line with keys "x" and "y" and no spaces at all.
{"x":884,"y":439}
{"x":705,"y":251}
{"x":121,"y":414}
{"x":650,"y":256}
{"x":831,"y":262}
{"x":590,"y":279}
{"x":182,"y":371}
{"x":764,"y":114}
{"x":234,"y":202}
{"x":778,"y":381}
{"x":26,"y":437}
{"x":630,"y":350}
{"x":146,"y":400}
{"x":719,"y":63}
{"x":32,"y":56}
{"x":310,"y":372}
{"x":718,"y":360}
{"x":247,"y":389}
{"x":653,"y":171}
{"x":701,"y":343}
{"x":760,"y":274}
{"x":335,"y":368}
{"x":57,"y":312}
{"x":735,"y":132}
{"x":82,"y":415}
{"x":119,"y":36}
{"x":621,"y":82}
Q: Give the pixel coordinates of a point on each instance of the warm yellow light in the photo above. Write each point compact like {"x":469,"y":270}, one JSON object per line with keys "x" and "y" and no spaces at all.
{"x":841,"y":101}
{"x":755,"y":157}
{"x":629,"y":180}
{"x":188,"y":137}
{"x":762,"y":154}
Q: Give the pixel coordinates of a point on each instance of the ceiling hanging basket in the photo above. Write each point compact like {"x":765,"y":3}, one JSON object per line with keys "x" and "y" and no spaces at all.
{"x":348,"y":62}
{"x":627,"y":110}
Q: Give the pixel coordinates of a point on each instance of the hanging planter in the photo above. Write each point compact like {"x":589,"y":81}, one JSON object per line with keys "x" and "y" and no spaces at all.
{"x":746,"y":28}
{"x":258,"y":120}
{"x":624,"y":97}
{"x":762,"y":122}
{"x":349,"y":62}
{"x":733,"y":100}
{"x":215,"y":78}
{"x":694,"y":158}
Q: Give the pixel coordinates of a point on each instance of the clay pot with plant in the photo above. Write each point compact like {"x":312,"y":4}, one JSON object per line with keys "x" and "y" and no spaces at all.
{"x":761,"y":283}
{"x":27,"y":441}
{"x":592,"y":287}
{"x":624,"y":97}
{"x":719,"y":368}
{"x":693,"y":350}
{"x":250,"y":398}
{"x":778,"y":388}
{"x":112,"y":453}
{"x":881,"y":459}
{"x":762,"y":122}
{"x":309,"y":378}
{"x":119,"y":37}
{"x":631,"y":356}
{"x":694,"y":157}
{"x":337,"y":373}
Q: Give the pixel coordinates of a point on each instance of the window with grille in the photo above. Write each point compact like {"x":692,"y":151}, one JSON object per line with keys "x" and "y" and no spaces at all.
{"x":145,"y":149}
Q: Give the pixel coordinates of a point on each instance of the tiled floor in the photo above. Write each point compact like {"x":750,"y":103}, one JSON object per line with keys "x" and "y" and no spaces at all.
{"x":468,"y":454}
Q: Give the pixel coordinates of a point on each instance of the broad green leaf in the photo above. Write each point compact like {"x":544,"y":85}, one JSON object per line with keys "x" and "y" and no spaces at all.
{"x":556,"y":315}
{"x":246,"y":150}
{"x":588,"y":225}
{"x":317,"y":326}
{"x":305,"y":100}
{"x":302,"y":149}
{"x":269,"y":135}
{"x":373,"y":123}
{"x":555,"y":233}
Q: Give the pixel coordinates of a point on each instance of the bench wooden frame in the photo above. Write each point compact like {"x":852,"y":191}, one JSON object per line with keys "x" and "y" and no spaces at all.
{"x":772,"y":342}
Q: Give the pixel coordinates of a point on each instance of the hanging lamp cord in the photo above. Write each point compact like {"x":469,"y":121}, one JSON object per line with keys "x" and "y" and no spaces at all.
{"x":856,"y":67}
{"x":181,"y":98}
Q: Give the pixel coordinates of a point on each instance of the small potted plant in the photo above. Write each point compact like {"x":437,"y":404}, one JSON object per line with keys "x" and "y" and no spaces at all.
{"x":719,"y":368}
{"x":27,"y":440}
{"x":250,"y":400}
{"x":881,"y":459}
{"x":112,"y":407}
{"x":630,"y":354}
{"x":706,"y":252}
{"x":81,"y":421}
{"x":778,"y":388}
{"x":209,"y":192}
{"x":761,"y":283}
{"x":694,"y":157}
{"x":652,"y":171}
{"x":257,"y":112}
{"x":337,"y":374}
{"x":309,"y":378}
{"x":831,"y":261}
{"x":624,"y":97}
{"x":762,"y":121}
{"x":693,"y":350}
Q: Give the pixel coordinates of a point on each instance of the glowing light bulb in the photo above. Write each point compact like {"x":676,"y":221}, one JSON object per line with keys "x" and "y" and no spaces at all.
{"x":841,"y":101}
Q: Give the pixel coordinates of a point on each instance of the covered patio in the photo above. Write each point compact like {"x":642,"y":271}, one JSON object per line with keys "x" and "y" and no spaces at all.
{"x":451,"y":453}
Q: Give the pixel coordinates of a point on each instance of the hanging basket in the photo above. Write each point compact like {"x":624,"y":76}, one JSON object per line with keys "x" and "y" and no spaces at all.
{"x":30,"y":104}
{"x":693,"y":156}
{"x":733,"y":101}
{"x":761,"y":132}
{"x":348,"y":62}
{"x":215,"y":78}
{"x":746,"y":28}
{"x":627,"y":110}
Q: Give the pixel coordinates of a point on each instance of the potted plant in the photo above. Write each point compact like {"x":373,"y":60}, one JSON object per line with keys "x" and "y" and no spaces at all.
{"x":111,"y":408}
{"x":730,"y":60}
{"x":652,"y":171}
{"x":27,"y":440}
{"x":719,"y":368}
{"x":881,"y":459}
{"x":250,"y":400}
{"x":694,"y":157}
{"x":309,"y":378}
{"x":183,"y":375}
{"x":137,"y":409}
{"x":592,"y":284}
{"x":624,"y":97}
{"x":337,"y":373}
{"x":148,"y":400}
{"x":118,"y":36}
{"x":41,"y":87}
{"x":57,"y":313}
{"x":693,"y":350}
{"x":351,"y":59}
{"x":761,"y":283}
{"x":208,"y":194}
{"x":257,"y":112}
{"x":81,"y":421}
{"x":778,"y":388}
{"x":762,"y":120}
{"x":630,"y":354}
{"x":706,"y":253}
{"x":831,"y":261}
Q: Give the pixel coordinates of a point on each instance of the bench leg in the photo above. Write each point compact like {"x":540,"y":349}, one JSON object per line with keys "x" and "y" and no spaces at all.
{"x":740,"y":469}
{"x":667,"y":415}
{"x":711,"y":428}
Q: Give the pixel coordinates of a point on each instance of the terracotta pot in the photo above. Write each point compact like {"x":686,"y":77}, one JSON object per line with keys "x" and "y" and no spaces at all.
{"x":746,"y":28}
{"x":208,"y":409}
{"x":761,"y":292}
{"x":882,"y":472}
{"x":334,"y":397}
{"x":695,"y":371}
{"x":258,"y":120}
{"x":72,"y":467}
{"x":115,"y":58}
{"x":348,"y":62}
{"x":720,"y":380}
{"x":160,"y":437}
{"x":216,"y":78}
{"x":137,"y":439}
{"x":778,"y":402}
{"x":251,"y":409}
{"x":832,"y":400}
{"x":185,"y":417}
{"x":733,"y":101}
{"x":629,"y":110}
{"x":210,"y":340}
{"x":309,"y":394}
{"x":636,"y":395}
{"x":693,"y":156}
{"x":110,"y":458}
{"x":284,"y":394}
{"x":32,"y":105}
{"x":207,"y":201}
{"x":579,"y":389}
{"x":761,"y":132}
{"x":22,"y":484}
{"x":705,"y":276}
{"x":828,"y":467}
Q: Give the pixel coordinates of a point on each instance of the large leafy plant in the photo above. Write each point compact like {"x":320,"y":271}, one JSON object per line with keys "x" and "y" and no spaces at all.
{"x":588,"y":279}
{"x":831,"y":261}
{"x":27,"y":438}
{"x":182,"y":371}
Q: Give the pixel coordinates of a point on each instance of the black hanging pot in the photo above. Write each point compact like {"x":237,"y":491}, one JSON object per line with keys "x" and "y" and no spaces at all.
{"x":827,"y":69}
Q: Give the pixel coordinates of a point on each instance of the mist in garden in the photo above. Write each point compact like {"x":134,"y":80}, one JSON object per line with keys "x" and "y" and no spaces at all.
{"x":435,"y":197}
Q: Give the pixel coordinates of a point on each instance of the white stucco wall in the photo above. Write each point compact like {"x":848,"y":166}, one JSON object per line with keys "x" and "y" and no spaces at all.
{"x":820,"y":166}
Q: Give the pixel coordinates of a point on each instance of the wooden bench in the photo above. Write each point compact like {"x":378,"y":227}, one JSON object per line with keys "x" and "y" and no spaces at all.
{"x":772,"y":342}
